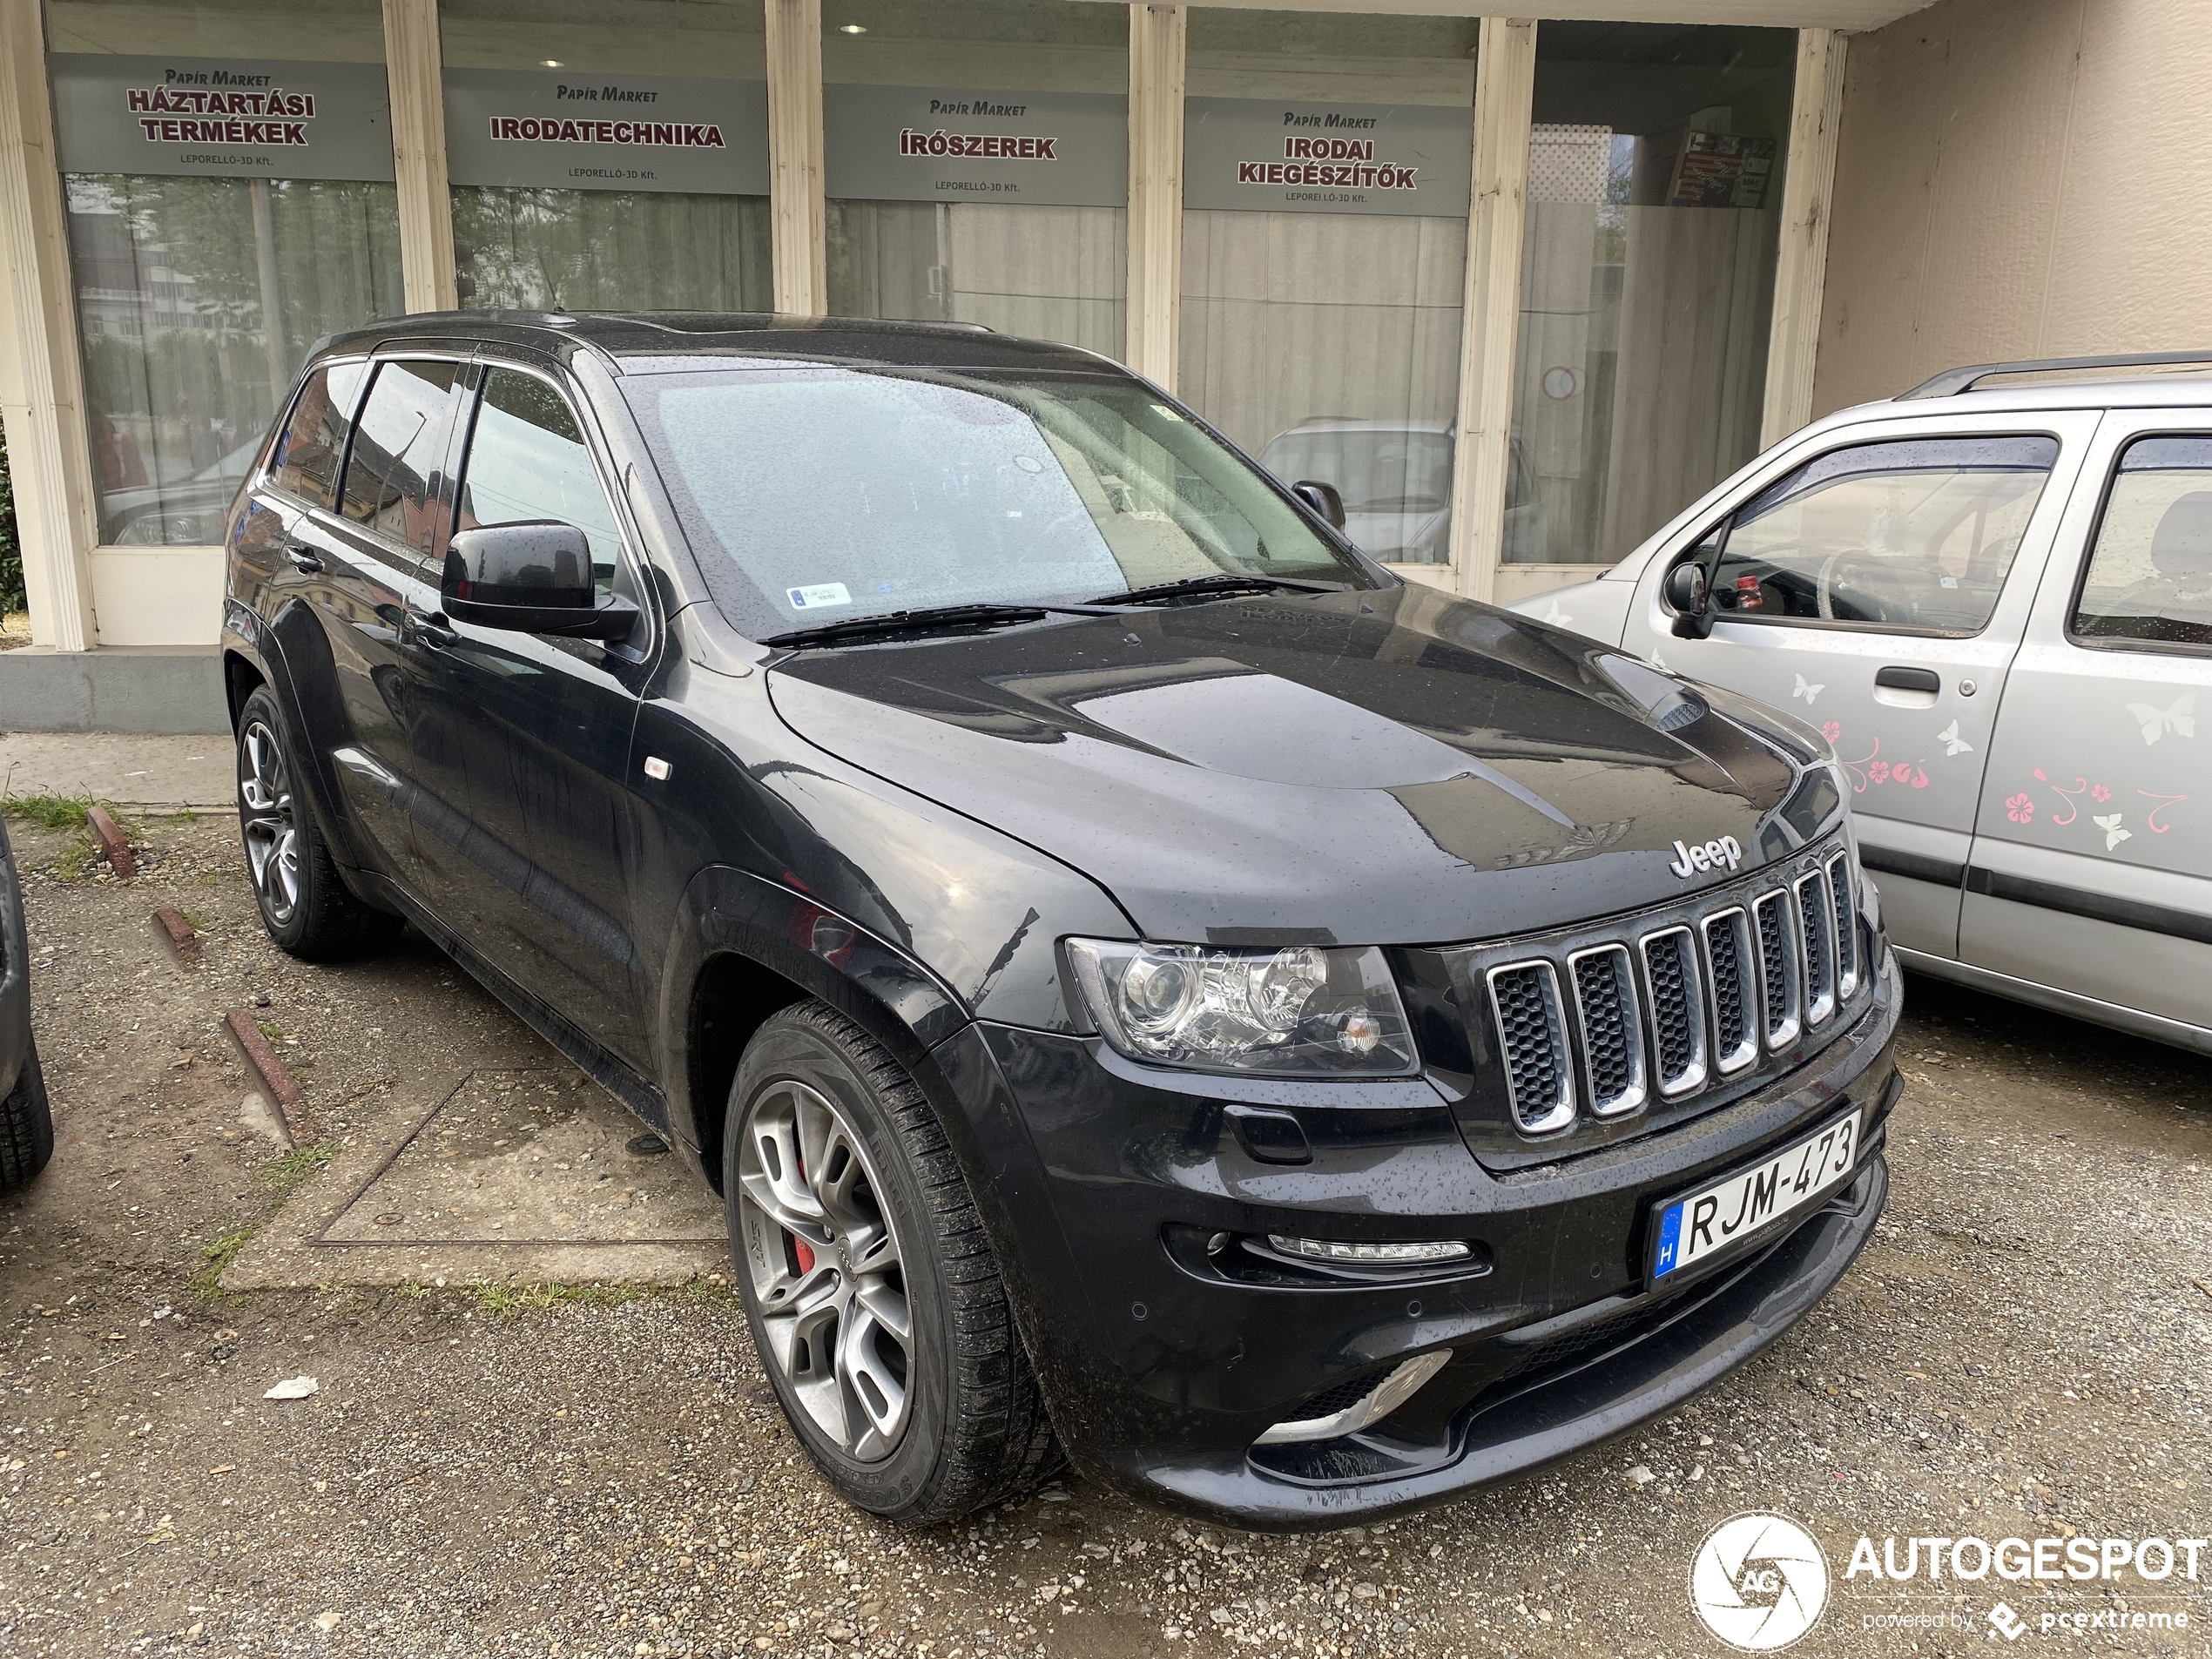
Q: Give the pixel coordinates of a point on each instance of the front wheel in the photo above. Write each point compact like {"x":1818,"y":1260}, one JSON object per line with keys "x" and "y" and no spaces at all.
{"x":874,"y":1298}
{"x":26,"y":1126}
{"x":304,"y":902}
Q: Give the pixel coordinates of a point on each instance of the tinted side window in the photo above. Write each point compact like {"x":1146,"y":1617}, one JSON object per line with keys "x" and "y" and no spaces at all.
{"x":1919,"y":534}
{"x":399,"y":443}
{"x":309,"y":455}
{"x":2150,"y":572}
{"x":528,"y":460}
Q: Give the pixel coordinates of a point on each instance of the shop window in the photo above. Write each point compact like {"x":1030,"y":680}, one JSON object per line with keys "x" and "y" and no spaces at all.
{"x":1654,"y":215}
{"x":228,"y":179}
{"x":977,"y":162}
{"x":1326,"y":161}
{"x":607,"y":156}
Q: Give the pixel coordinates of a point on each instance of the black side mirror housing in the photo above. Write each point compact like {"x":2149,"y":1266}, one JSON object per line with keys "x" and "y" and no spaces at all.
{"x":533,"y":576}
{"x":1688,"y":596}
{"x":1321,"y":498}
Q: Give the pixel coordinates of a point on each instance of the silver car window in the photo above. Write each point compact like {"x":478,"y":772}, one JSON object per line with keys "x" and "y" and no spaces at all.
{"x":2149,"y":580}
{"x":1916,"y":536}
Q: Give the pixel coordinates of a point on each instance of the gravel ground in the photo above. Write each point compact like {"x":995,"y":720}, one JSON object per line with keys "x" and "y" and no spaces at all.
{"x":2026,"y":1349}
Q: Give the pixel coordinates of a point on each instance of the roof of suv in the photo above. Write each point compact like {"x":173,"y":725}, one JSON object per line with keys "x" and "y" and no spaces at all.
{"x":629,"y":336}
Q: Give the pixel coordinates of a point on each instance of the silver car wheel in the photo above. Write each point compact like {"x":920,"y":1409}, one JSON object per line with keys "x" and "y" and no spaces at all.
{"x":826,"y":1266}
{"x":272,"y":832}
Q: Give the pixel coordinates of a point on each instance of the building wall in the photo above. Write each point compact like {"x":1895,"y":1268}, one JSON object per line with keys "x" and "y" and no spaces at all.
{"x":2018,"y":179}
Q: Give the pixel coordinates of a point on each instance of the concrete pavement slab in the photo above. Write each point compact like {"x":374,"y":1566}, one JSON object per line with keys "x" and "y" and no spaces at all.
{"x":129,"y":769}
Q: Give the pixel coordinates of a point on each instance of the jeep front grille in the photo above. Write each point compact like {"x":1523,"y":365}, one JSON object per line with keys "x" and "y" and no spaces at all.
{"x":1663,"y":1005}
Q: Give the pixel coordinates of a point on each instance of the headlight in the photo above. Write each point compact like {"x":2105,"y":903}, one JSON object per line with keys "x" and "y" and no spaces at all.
{"x":1301,"y":1009}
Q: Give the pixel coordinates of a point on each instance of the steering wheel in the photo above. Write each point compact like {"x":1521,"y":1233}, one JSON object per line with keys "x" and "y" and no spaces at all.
{"x":1844,"y":571}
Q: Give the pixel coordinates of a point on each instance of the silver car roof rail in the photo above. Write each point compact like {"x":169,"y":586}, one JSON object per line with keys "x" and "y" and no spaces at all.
{"x":1952,"y":382}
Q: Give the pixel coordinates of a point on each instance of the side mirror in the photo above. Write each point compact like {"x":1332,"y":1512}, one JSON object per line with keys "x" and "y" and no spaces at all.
{"x":1321,"y":498}
{"x":533,"y":576}
{"x":1686,"y":593}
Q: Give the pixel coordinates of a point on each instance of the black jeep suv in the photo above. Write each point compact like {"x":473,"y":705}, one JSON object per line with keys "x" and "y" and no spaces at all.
{"x":1141,"y":974}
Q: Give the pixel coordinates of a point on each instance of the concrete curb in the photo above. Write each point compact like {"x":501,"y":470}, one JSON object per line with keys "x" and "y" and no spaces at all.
{"x":277,"y":1085}
{"x":176,"y":932}
{"x":118,"y":844}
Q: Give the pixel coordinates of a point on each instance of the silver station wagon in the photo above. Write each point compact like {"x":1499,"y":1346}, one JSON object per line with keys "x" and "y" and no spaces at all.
{"x":1993,"y":596}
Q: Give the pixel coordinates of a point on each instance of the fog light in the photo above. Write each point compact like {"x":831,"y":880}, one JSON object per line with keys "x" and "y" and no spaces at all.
{"x":1333,"y":1249}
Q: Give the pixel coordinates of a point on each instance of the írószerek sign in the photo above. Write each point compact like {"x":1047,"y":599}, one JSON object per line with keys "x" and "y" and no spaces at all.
{"x":934,"y":144}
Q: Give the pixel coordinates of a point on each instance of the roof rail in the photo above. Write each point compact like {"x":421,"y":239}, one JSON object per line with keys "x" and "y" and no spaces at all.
{"x":1952,"y":382}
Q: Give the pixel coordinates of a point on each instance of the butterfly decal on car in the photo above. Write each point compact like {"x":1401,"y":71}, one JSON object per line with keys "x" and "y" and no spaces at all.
{"x":2109,"y":823}
{"x":1951,"y":742}
{"x":1806,"y":692}
{"x":2178,"y":717}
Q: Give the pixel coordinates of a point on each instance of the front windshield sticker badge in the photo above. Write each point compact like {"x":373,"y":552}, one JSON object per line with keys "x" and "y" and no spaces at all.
{"x":819,"y":597}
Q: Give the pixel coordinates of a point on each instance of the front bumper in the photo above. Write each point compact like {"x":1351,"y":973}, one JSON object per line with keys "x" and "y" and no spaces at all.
{"x":1164,"y":1366}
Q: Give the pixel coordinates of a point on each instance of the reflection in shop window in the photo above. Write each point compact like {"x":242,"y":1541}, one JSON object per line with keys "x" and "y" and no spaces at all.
{"x":1028,"y":238}
{"x":1654,"y":209}
{"x":1326,"y":161}
{"x":203,"y":271}
{"x":608,"y":157}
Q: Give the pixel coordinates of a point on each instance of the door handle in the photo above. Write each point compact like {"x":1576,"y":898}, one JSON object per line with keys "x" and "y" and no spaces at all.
{"x":305,"y":560}
{"x":1908,"y":679}
{"x":434,"y":630}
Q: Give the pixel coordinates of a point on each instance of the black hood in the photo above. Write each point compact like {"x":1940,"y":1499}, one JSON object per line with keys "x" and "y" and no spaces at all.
{"x":1392,"y":766}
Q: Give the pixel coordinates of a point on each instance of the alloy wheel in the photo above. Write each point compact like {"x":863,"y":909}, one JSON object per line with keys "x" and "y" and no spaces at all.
{"x":272,"y":832}
{"x":826,"y":1266}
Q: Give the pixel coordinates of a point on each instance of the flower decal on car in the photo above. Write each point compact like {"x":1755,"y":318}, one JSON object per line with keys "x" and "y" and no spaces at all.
{"x":2020,"y":808}
{"x":2099,"y":794}
{"x":1831,"y":730}
{"x":1878,"y":772}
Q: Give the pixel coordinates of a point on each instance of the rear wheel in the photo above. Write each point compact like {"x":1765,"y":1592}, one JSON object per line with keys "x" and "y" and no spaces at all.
{"x":305,"y":903}
{"x":26,"y":1125}
{"x":873,"y":1298}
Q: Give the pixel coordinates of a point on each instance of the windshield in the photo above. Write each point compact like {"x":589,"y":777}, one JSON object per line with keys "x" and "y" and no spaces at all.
{"x":1376,"y":469}
{"x":818,"y":495}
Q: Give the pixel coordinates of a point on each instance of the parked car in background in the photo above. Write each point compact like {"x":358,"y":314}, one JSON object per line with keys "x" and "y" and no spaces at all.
{"x":1993,"y":597}
{"x":1133,"y":967}
{"x":1395,"y":480}
{"x":26,"y":1124}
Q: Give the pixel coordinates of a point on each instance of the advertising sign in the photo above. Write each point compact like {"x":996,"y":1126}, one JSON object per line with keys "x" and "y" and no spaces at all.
{"x":1270,"y":156}
{"x":563,"y":130}
{"x":918,"y":144}
{"x":221,"y":117}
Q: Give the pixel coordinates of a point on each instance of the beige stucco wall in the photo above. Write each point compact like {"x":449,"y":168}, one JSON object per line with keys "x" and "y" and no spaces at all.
{"x":2018,"y":179}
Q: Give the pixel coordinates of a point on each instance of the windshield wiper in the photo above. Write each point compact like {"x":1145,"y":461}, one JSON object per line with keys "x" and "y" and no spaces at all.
{"x":904,"y":622}
{"x":1226,"y":582}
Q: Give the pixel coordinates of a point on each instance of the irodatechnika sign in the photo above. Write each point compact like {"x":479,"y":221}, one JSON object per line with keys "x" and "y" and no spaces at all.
{"x":565,"y":130}
{"x":221,"y":117}
{"x":1259,"y":155}
{"x":936,"y":144}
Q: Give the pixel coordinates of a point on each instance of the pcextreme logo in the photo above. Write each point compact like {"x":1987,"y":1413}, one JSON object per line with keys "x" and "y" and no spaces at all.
{"x":1759,"y":1582}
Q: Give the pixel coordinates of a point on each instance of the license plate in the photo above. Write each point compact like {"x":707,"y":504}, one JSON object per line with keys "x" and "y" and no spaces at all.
{"x":1703,"y":1223}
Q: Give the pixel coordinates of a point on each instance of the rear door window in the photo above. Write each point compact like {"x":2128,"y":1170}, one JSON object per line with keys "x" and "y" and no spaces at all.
{"x":312,"y":448}
{"x":2148,"y":586}
{"x":392,"y":483}
{"x":1914,"y":536}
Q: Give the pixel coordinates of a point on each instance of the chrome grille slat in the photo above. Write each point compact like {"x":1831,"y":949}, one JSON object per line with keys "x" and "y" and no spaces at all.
{"x":1677,"y":1008}
{"x":1734,"y":981}
{"x":1532,"y":1036}
{"x":1779,"y":989}
{"x":1612,"y":1032}
{"x":1817,"y":918}
{"x":1846,"y":903}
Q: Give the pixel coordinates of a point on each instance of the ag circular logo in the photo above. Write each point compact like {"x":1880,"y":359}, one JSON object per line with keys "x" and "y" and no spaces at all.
{"x":1759,"y":1582}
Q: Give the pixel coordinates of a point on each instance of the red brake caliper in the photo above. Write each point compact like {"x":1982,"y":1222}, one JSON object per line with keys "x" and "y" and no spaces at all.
{"x":805,"y":1252}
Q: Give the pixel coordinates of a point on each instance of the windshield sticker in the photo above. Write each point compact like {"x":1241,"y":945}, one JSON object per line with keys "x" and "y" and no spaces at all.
{"x":820,"y":596}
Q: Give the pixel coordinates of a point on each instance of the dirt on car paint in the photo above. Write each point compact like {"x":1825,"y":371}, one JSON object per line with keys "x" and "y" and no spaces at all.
{"x":523,"y":1466}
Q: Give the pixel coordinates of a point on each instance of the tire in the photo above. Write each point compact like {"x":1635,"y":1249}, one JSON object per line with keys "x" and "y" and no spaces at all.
{"x":881,"y":1228}
{"x":305,"y":903}
{"x":26,"y":1126}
